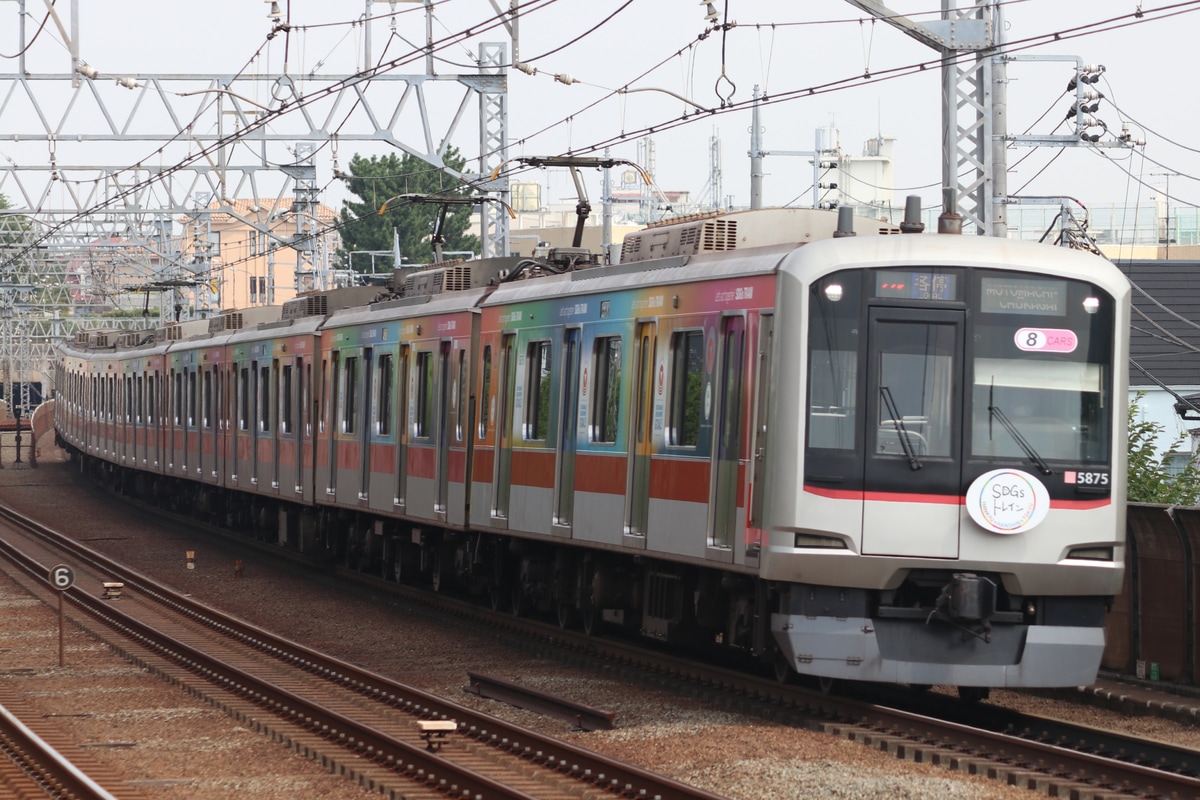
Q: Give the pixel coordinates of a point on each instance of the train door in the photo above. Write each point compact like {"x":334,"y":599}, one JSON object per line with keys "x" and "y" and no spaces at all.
{"x":368,"y":392}
{"x":727,"y":443}
{"x":504,"y":426}
{"x":442,"y":432}
{"x":637,"y":513}
{"x":564,"y":499}
{"x":403,"y":428}
{"x":913,"y":466}
{"x":760,"y":436}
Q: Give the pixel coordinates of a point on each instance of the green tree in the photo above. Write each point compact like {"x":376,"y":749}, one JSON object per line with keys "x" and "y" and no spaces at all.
{"x":377,"y":179}
{"x":1150,"y":477}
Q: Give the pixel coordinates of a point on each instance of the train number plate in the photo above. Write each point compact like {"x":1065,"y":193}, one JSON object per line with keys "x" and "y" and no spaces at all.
{"x":1086,"y":478}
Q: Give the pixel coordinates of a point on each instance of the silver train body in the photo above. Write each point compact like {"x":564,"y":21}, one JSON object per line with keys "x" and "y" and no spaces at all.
{"x":886,"y":457}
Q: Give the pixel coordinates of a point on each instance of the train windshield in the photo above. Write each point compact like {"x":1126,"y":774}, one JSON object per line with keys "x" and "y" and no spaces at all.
{"x":1042,"y":362}
{"x":928,"y":378}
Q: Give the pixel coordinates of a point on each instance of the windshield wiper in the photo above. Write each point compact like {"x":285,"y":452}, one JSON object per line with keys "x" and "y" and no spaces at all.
{"x":995,"y":412}
{"x":901,"y":432}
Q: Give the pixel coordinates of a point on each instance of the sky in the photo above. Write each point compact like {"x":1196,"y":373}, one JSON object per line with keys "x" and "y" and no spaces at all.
{"x":656,"y":48}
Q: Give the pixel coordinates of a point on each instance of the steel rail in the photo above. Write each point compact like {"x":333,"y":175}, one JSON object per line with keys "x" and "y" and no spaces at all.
{"x":586,"y":766}
{"x":43,"y":764}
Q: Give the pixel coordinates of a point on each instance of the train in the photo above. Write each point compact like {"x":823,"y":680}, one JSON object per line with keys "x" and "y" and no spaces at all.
{"x":843,"y":448}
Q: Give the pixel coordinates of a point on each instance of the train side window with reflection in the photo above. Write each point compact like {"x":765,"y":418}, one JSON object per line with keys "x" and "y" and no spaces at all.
{"x":349,"y":399}
{"x":264,"y":382}
{"x":191,"y":399}
{"x":606,"y":390}
{"x":461,"y":400}
{"x":207,"y":404}
{"x":244,"y":396}
{"x":485,"y":393}
{"x":687,"y":388}
{"x":285,"y":400}
{"x":424,"y":398}
{"x":178,"y":398}
{"x":537,"y":392}
{"x":383,"y":411}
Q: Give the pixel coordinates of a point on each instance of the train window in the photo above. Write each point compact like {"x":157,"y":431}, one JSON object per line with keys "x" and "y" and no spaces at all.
{"x":244,"y":396}
{"x":424,"y":398}
{"x":461,"y":401}
{"x":349,"y":401}
{"x":285,"y":400}
{"x":485,"y":393}
{"x":191,"y":399}
{"x":687,"y":388}
{"x":383,"y":412}
{"x":606,"y":398}
{"x":1041,"y":387}
{"x":128,"y":398}
{"x":178,"y":404}
{"x":206,"y":406}
{"x":833,"y":340}
{"x":537,"y":392}
{"x":152,"y":399}
{"x":264,"y":406}
{"x":138,"y":398}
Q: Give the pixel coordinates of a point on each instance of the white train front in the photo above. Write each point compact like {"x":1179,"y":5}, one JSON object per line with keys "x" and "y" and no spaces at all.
{"x":879,"y":457}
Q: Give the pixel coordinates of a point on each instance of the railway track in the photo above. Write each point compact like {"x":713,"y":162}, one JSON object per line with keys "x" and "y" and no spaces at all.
{"x":385,"y":735}
{"x":1050,"y":755}
{"x":32,"y":768}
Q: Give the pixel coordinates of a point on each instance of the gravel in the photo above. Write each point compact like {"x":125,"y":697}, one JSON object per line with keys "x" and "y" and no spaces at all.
{"x":169,"y":745}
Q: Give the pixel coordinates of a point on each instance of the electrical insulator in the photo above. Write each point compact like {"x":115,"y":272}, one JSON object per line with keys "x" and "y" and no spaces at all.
{"x":827,"y":186}
{"x":829,"y":165}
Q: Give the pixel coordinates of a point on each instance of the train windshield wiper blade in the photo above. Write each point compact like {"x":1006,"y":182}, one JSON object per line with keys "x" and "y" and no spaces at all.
{"x":1020,"y":440}
{"x":901,"y":432}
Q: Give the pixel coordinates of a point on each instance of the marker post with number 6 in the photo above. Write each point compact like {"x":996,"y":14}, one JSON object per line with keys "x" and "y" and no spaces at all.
{"x":61,"y":577}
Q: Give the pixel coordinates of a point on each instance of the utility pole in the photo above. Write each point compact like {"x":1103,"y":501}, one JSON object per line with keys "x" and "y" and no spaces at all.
{"x":974,"y":161}
{"x":1166,"y":236}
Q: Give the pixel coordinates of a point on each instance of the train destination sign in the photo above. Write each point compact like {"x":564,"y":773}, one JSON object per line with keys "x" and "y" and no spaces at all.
{"x":916,"y":285}
{"x":1023,"y":296}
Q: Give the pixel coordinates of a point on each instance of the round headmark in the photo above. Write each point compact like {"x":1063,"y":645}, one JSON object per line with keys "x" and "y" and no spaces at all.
{"x":1007,"y":501}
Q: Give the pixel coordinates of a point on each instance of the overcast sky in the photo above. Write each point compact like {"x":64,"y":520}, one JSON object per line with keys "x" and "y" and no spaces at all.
{"x":781,"y":46}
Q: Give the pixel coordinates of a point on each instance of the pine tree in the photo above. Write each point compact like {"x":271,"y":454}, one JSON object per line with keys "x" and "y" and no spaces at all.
{"x":379,"y":178}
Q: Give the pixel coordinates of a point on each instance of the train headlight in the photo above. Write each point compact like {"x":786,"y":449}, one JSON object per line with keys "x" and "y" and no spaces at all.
{"x":1091,"y":304}
{"x":1091,"y":553}
{"x":816,"y":540}
{"x":834,"y":292}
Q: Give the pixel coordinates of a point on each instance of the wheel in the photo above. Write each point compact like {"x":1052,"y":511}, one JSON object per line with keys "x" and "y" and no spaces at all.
{"x":566,"y":615}
{"x":591,"y":619}
{"x":783,"y":670}
{"x":517,"y":601}
{"x":825,"y":684}
{"x":496,"y":596}
{"x":436,"y":572}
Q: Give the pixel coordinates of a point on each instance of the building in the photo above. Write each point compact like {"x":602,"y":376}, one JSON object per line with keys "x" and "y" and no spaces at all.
{"x":251,"y":256}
